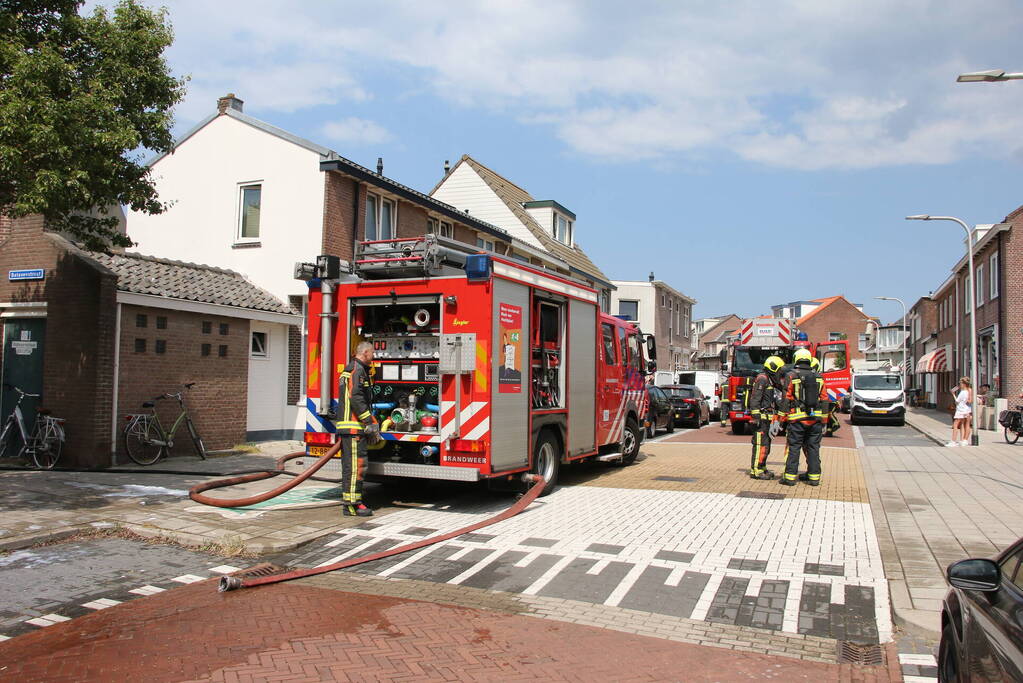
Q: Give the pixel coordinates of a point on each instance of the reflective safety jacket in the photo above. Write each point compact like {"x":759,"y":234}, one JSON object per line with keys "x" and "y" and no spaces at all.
{"x":805,"y":395}
{"x":760,"y":399}
{"x":355,"y":394}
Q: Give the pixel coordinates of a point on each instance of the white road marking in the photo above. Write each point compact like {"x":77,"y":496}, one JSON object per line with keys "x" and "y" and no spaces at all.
{"x":354,"y":551}
{"x":101,"y":603}
{"x":423,"y":552}
{"x":475,"y":568}
{"x":918,"y":660}
{"x":188,"y":578}
{"x":706,"y":597}
{"x":857,"y":437}
{"x":545,"y":578}
{"x":3,"y":638}
{"x":623,"y":588}
{"x":224,"y":569}
{"x":48,"y":620}
{"x":146,"y":590}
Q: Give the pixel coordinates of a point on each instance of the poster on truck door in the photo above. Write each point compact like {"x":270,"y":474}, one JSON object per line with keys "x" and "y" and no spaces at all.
{"x":509,"y":372}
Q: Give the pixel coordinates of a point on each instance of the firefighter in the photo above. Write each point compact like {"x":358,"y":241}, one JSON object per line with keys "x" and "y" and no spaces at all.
{"x":763,"y":407}
{"x":805,"y":401}
{"x":356,"y":427}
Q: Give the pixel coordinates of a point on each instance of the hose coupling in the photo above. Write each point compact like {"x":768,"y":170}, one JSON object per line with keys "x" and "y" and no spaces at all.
{"x":229,"y":583}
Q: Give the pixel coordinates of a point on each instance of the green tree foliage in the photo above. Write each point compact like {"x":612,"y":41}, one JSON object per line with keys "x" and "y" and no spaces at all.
{"x":83,"y":99}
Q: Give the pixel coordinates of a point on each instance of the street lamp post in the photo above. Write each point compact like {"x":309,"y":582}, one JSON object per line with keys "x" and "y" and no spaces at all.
{"x":974,"y":439}
{"x":987,"y":76}
{"x":877,"y":342}
{"x":905,"y":314}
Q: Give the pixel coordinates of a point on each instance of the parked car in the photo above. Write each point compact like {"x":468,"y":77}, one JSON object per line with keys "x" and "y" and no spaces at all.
{"x":709,"y":382}
{"x":878,"y":395}
{"x":661,"y":412}
{"x":982,"y":619}
{"x":691,"y":407}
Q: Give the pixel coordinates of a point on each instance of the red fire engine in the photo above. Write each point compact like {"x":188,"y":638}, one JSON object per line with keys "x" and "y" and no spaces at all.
{"x":760,"y":338}
{"x":484,"y":367}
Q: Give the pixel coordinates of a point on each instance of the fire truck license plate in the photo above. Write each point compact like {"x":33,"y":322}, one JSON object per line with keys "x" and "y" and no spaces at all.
{"x":317,"y":451}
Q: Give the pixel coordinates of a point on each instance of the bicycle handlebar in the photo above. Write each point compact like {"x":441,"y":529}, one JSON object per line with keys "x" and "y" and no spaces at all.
{"x":23,"y":393}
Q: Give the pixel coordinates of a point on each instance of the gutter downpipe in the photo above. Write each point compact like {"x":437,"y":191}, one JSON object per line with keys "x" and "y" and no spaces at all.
{"x":114,"y":422}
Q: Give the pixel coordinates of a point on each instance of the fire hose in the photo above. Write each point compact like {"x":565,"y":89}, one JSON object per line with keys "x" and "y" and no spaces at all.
{"x":229,"y":583}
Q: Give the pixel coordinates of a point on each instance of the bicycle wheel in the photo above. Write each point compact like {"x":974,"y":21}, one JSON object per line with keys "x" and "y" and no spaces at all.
{"x":200,"y":448}
{"x":1011,"y":436}
{"x":138,"y":442}
{"x":7,"y":437}
{"x":48,"y":445}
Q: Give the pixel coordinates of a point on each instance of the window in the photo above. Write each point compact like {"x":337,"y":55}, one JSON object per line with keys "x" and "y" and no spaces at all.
{"x":161,"y":346}
{"x":222,"y":351}
{"x":141,"y":320}
{"x":980,"y":284}
{"x":248,"y":215}
{"x":485,"y":244}
{"x":224,"y":328}
{"x":663,"y":300}
{"x":161,"y":322}
{"x":1012,"y":569}
{"x":634,"y":356}
{"x":834,"y":336}
{"x":608,"y":335}
{"x":992,"y":269}
{"x":621,"y":346}
{"x":628,"y":308}
{"x":205,"y":350}
{"x":562,"y":229}
{"x":380,"y":215}
{"x":966,"y":295}
{"x":140,"y":346}
{"x":439,"y":228}
{"x":207,"y":327}
{"x":259,"y":349}
{"x":520,"y":257}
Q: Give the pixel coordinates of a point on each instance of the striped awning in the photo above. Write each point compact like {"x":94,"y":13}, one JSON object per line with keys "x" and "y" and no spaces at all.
{"x":934,"y":361}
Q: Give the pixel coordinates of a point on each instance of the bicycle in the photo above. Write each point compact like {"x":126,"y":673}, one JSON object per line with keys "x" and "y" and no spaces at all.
{"x":46,"y":441}
{"x":145,"y":439}
{"x":1012,"y":420}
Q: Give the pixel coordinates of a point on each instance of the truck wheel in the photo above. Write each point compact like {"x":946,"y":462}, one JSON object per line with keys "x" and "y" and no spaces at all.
{"x":546,"y":458}
{"x":630,"y":443}
{"x":738,"y":428}
{"x":671,"y":424}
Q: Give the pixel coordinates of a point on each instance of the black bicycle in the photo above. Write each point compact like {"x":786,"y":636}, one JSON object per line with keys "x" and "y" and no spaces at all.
{"x":145,"y":439}
{"x":44,"y":443}
{"x":1012,"y":421}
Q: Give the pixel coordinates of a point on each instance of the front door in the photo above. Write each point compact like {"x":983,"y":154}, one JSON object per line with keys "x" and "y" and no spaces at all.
{"x":609,"y":380}
{"x":23,"y":366}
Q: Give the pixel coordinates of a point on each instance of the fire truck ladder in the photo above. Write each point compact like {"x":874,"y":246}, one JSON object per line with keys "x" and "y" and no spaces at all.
{"x":407,"y":257}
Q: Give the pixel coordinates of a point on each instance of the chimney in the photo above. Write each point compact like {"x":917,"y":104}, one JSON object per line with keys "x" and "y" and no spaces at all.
{"x":651,"y":276}
{"x":380,"y":165}
{"x":447,"y":167}
{"x":229,"y":101}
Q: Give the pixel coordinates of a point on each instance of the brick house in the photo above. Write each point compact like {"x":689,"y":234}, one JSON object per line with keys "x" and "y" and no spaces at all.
{"x":665,"y":312}
{"x":828,"y":319}
{"x":923,"y":340}
{"x":97,"y":334}
{"x":714,"y":339}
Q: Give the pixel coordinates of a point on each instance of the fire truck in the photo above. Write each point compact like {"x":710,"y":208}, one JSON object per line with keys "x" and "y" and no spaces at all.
{"x":760,"y":338}
{"x":484,"y":367}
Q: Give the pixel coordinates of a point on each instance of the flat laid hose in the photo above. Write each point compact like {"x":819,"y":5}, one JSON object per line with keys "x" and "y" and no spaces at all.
{"x":229,"y":583}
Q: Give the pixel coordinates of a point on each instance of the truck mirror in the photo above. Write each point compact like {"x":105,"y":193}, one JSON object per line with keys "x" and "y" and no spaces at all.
{"x":651,"y":366}
{"x":724,"y":357}
{"x":651,"y":347}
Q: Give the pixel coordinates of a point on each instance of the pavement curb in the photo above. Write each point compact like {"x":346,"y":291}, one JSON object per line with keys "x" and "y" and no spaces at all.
{"x":27,"y":540}
{"x":924,"y":432}
{"x":918,"y":622}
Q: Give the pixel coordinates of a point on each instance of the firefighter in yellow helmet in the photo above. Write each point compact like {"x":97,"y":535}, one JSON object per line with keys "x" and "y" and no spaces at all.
{"x":762,"y":404}
{"x":805,"y":405}
{"x":356,"y":428}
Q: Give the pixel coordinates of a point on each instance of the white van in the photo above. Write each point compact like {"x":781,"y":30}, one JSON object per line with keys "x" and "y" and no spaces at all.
{"x":877,"y":395}
{"x":709,"y":382}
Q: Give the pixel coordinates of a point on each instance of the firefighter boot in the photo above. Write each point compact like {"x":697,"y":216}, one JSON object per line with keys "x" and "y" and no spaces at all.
{"x":805,"y":476}
{"x":357,"y":510}
{"x":765,"y":475}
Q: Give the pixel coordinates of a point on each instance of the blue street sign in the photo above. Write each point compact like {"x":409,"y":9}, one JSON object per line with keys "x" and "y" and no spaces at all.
{"x":31,"y":274}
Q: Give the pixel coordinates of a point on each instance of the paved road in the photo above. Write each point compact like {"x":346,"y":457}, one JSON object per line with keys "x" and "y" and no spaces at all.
{"x":892,"y":435}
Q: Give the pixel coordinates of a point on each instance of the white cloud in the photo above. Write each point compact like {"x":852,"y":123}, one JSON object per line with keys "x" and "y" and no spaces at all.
{"x":356,"y":131}
{"x":797,"y":84}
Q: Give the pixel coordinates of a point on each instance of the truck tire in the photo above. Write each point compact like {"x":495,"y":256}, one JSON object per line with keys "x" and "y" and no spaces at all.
{"x":546,"y":459}
{"x":738,"y":428}
{"x":630,"y":443}
{"x":671,"y":424}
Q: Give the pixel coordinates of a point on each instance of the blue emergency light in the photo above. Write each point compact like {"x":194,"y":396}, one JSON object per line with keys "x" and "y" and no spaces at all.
{"x":478,"y":267}
{"x":801,"y":336}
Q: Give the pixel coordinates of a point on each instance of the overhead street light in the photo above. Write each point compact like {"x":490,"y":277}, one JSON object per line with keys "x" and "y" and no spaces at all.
{"x":905,"y":315}
{"x":974,"y":438}
{"x":987,"y":76}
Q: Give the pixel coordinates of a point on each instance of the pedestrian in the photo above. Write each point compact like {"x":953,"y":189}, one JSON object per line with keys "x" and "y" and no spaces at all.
{"x":804,"y":404}
{"x":963,"y":397}
{"x":356,"y":427}
{"x":763,"y":411}
{"x":985,"y":402}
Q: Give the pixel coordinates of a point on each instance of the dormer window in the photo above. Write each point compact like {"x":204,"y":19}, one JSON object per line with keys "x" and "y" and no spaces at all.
{"x":562,"y":229}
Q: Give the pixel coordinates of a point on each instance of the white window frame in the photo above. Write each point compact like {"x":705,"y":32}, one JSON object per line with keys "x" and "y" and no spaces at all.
{"x":484,"y":243}
{"x":631,"y":301}
{"x":979,"y":270}
{"x":992,"y":264}
{"x":967,"y":304}
{"x":568,"y":237}
{"x":265,"y":355}
{"x":435,"y":226}
{"x":379,"y":200}
{"x":238,"y":238}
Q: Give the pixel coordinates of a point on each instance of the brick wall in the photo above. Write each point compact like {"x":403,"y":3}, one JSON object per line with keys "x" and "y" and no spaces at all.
{"x":79,"y":345}
{"x":5,"y":227}
{"x":842,"y":317}
{"x":340,"y":218}
{"x":217,"y":402}
{"x":1011,"y":296}
{"x":295,"y":351}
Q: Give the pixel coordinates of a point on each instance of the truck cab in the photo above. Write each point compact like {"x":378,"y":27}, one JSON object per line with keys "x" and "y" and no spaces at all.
{"x":878,"y":395}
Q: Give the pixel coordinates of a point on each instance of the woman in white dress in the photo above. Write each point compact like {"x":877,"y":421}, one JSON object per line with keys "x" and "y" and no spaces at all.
{"x":963,"y":415}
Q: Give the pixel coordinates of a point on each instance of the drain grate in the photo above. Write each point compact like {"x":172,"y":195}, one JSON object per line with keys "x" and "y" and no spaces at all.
{"x":257,"y":570}
{"x":866,"y":654}
{"x":664,"y":477}
{"x":761,"y":495}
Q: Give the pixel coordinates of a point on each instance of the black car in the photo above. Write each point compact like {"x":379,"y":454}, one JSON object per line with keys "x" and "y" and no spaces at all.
{"x":660,"y":414}
{"x":982,"y":619}
{"x":690,"y":405}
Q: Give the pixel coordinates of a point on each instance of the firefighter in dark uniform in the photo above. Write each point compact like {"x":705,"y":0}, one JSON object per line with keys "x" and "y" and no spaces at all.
{"x":356,"y":428}
{"x":805,"y":402}
{"x":762,"y":405}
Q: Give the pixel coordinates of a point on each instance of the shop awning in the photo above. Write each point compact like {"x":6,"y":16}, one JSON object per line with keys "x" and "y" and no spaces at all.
{"x":934,"y":361}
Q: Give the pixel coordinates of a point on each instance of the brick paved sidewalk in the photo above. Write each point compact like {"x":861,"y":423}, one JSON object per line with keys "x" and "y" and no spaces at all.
{"x":303,"y":633}
{"x":937,"y":425}
{"x":715,"y":433}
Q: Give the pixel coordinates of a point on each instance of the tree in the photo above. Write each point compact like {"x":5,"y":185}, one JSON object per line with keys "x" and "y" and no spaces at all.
{"x":83,"y":100}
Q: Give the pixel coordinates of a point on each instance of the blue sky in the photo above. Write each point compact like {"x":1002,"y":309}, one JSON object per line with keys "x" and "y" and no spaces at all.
{"x":717,"y":144}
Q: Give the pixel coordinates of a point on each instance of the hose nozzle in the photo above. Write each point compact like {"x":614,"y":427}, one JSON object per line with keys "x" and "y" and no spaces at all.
{"x":229,"y":583}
